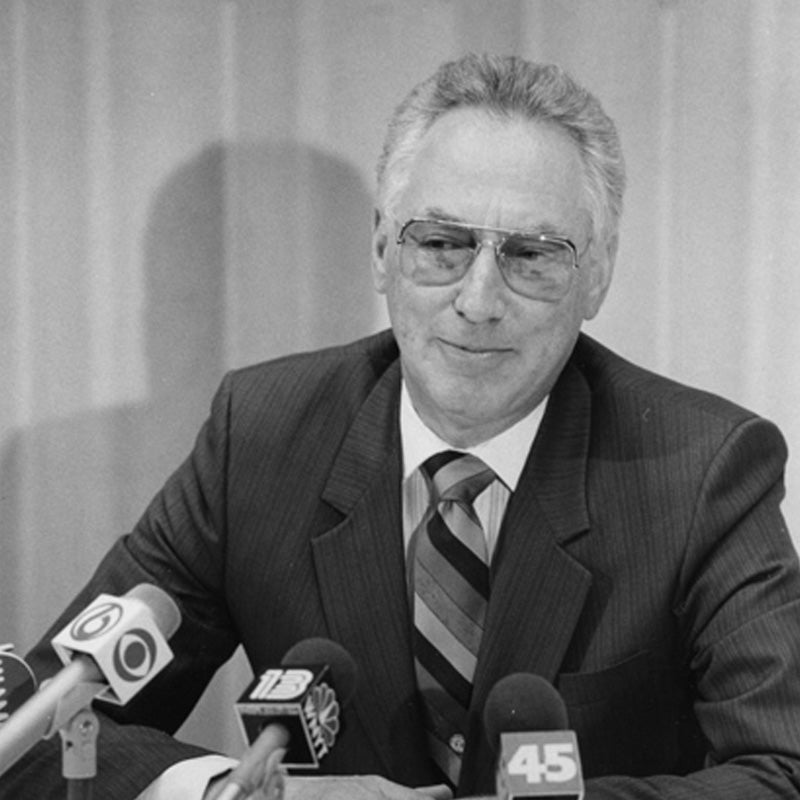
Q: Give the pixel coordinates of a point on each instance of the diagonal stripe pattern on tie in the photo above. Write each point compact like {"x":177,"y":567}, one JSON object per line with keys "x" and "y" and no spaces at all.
{"x":450,"y":585}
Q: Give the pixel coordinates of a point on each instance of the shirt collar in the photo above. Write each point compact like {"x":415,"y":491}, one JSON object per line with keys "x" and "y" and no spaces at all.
{"x":505,"y":454}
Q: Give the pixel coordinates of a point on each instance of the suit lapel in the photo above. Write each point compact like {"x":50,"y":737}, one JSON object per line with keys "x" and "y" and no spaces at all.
{"x":538,"y":589}
{"x":361,"y":571}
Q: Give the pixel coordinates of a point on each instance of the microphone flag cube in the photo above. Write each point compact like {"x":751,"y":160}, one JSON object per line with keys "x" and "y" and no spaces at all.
{"x":120,"y":634}
{"x":543,"y":765}
{"x":302,"y":699}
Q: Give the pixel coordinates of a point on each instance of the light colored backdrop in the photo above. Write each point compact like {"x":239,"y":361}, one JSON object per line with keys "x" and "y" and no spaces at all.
{"x":185,"y":187}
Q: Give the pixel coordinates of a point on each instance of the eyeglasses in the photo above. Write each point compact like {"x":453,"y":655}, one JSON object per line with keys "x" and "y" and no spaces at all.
{"x":537,"y":266}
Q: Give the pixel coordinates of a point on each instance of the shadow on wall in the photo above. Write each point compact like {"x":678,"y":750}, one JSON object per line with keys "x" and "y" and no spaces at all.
{"x":254,"y":249}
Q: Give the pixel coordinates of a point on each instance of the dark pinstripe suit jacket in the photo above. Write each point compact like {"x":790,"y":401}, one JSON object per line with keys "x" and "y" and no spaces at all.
{"x":643,"y":567}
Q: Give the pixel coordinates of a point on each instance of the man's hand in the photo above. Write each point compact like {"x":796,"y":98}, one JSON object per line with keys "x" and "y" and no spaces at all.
{"x":363,"y":787}
{"x":268,"y":784}
{"x":275,"y":785}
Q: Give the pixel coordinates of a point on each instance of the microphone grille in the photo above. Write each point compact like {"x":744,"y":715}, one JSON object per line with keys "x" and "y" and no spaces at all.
{"x":318,"y":650}
{"x":523,"y":702}
{"x":164,"y":609}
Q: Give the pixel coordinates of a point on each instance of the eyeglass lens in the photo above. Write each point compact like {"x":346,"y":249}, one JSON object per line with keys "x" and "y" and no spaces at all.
{"x":442,"y":253}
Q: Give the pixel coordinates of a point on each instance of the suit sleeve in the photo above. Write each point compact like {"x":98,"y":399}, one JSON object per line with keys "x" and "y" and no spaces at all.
{"x":738,"y":608}
{"x":179,"y":545}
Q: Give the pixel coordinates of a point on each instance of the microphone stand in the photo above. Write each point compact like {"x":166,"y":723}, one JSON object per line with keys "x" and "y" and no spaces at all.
{"x":79,"y":753}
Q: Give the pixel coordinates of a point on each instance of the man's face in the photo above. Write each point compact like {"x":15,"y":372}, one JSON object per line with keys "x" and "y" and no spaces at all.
{"x":476,"y":356}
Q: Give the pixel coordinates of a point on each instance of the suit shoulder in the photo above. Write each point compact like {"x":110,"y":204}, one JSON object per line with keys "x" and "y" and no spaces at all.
{"x":343,"y":374}
{"x":637,"y":411}
{"x":632,"y":388}
{"x":664,"y":440}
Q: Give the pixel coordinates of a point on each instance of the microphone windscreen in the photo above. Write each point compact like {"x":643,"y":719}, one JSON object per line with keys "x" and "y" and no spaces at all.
{"x":523,"y":702}
{"x":319,"y":650}
{"x":164,"y":609}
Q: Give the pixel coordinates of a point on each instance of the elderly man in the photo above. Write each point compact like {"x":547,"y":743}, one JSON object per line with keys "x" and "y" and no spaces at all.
{"x":481,"y":491}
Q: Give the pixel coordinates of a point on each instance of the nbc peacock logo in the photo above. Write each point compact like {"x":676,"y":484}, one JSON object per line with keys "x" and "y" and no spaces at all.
{"x":321,"y":711}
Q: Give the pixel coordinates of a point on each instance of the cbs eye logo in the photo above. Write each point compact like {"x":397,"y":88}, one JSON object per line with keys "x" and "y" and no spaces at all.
{"x":135,"y":655}
{"x":135,"y":652}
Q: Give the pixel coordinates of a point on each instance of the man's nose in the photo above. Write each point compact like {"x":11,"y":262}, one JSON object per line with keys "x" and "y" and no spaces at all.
{"x":482,"y":292}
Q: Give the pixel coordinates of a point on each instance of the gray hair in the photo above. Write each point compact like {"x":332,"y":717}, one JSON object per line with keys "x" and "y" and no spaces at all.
{"x":508,"y":85}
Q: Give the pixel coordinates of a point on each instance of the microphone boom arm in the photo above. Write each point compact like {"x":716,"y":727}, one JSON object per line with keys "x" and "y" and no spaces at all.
{"x":56,"y":702}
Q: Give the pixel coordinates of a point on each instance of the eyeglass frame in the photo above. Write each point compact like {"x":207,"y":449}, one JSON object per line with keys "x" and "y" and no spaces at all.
{"x":504,"y":235}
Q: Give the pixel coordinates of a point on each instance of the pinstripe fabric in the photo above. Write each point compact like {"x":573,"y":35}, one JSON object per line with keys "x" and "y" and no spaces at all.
{"x":450,"y":576}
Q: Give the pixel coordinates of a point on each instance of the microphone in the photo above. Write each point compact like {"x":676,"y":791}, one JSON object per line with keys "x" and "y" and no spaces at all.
{"x":526,"y":719}
{"x":17,"y":682}
{"x":111,"y":650}
{"x":295,"y":707}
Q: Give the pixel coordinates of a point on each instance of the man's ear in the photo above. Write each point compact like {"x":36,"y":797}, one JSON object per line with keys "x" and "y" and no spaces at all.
{"x":380,"y":246}
{"x":600,"y":264}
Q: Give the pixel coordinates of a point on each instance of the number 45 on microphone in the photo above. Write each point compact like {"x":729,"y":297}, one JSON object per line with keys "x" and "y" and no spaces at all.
{"x":544,"y":766}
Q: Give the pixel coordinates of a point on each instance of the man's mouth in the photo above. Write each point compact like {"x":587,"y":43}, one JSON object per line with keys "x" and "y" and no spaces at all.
{"x":475,"y":349}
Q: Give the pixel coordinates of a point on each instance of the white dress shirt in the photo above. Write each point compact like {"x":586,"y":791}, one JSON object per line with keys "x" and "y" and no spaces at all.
{"x":505,"y":454}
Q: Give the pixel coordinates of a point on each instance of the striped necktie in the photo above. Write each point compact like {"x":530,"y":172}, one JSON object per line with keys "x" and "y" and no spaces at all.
{"x":450,"y":584}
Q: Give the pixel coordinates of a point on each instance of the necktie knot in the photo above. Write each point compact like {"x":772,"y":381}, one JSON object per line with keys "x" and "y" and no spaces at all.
{"x":459,"y":477}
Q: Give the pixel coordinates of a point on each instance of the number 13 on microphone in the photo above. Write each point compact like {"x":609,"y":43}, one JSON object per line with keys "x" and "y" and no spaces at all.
{"x":543,"y":765}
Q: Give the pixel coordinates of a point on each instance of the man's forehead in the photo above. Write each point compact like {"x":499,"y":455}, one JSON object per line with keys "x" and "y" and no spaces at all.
{"x":490,"y":170}
{"x":472,"y":126}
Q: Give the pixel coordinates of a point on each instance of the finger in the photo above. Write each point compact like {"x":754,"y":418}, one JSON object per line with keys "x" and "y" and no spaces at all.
{"x":272,"y":783}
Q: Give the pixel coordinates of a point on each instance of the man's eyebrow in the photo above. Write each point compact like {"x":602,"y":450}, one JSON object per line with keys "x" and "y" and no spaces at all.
{"x":439,"y":213}
{"x":543,"y":227}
